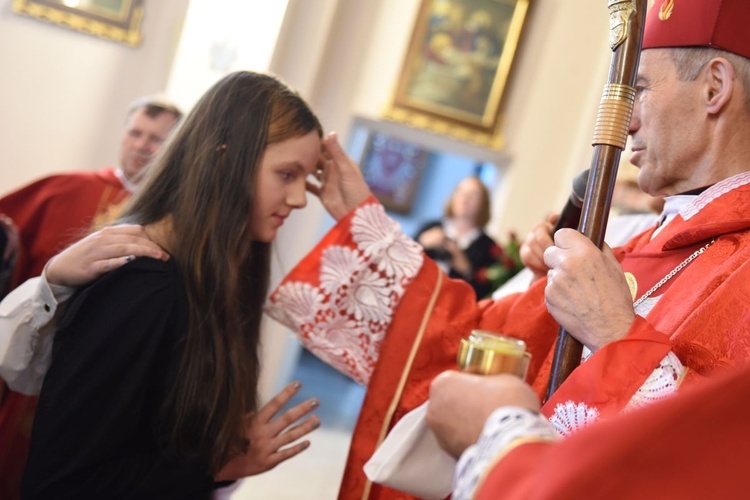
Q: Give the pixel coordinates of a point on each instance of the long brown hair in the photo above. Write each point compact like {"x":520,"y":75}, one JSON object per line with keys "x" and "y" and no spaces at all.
{"x":204,"y":181}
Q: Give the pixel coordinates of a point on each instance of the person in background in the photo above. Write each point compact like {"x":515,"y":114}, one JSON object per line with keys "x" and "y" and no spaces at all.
{"x":152,"y":390}
{"x":458,"y":241}
{"x":55,"y":211}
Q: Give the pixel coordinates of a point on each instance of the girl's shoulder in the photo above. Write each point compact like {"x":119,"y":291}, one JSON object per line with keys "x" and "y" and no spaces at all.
{"x":142,"y":287}
{"x":142,"y":273}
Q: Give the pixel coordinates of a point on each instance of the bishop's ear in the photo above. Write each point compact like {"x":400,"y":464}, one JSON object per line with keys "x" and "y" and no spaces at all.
{"x":720,"y":83}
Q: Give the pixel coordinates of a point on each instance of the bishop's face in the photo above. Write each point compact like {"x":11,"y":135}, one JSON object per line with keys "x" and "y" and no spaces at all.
{"x":669,"y":139}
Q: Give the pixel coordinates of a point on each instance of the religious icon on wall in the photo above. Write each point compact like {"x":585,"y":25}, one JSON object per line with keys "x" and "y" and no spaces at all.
{"x":457,"y":66}
{"x":393,"y":169}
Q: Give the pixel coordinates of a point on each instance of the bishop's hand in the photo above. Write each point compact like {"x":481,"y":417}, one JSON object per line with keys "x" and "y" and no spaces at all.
{"x":586,"y":290}
{"x":341,"y":186}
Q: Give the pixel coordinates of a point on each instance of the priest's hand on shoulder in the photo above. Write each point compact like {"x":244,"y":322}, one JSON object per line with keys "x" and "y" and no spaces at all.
{"x":99,"y":253}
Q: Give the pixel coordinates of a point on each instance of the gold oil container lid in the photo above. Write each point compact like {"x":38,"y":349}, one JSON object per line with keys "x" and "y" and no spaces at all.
{"x":488,"y":353}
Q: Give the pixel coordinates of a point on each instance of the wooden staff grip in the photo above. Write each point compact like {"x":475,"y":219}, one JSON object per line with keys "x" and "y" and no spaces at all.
{"x":626,"y":19}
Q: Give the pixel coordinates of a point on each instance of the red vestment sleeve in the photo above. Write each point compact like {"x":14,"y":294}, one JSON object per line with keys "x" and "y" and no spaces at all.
{"x":695,"y":445}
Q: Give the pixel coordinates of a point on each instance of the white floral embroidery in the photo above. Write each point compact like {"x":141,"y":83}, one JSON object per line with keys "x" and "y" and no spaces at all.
{"x":302,"y":301}
{"x":376,"y":234}
{"x":344,"y":317}
{"x":368,"y":299}
{"x":571,"y":417}
{"x":337,"y":267}
{"x":662,"y":383}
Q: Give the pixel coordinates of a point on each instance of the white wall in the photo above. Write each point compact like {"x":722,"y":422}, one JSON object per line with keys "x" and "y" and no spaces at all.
{"x":64,"y":94}
{"x":551,"y":107}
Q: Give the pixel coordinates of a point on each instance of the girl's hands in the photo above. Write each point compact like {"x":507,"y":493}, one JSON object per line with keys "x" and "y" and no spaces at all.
{"x":268,"y":436}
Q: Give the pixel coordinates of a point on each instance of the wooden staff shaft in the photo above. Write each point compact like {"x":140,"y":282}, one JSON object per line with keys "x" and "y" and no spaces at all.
{"x":610,"y":135}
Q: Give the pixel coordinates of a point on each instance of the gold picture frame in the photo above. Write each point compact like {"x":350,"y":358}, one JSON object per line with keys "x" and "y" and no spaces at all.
{"x":457,"y":66}
{"x":118,"y":20}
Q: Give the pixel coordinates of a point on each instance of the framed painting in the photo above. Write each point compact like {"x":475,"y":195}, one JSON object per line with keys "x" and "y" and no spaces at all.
{"x":118,"y":20}
{"x":457,"y":66}
{"x":393,"y":169}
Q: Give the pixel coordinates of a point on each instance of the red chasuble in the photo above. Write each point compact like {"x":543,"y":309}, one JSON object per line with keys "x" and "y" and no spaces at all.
{"x":365,"y":303}
{"x":50,"y":214}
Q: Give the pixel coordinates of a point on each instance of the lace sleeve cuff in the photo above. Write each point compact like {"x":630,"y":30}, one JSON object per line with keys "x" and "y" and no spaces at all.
{"x":504,"y":427}
{"x":662,"y":383}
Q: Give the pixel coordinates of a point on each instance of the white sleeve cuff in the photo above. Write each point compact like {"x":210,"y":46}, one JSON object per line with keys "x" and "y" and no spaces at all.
{"x":46,"y":300}
{"x":27,"y":331}
{"x":504,"y":426}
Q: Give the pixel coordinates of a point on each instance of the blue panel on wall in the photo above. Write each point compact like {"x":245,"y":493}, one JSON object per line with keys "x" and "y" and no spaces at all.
{"x":442,"y":173}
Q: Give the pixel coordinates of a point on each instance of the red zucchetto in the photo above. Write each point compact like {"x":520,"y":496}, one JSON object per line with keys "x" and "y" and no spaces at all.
{"x":721,"y":24}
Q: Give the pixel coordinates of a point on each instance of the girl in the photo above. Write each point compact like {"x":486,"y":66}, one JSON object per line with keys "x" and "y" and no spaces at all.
{"x":153,"y":385}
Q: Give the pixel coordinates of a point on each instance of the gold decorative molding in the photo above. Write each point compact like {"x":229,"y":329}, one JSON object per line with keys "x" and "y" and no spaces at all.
{"x":123,"y":26}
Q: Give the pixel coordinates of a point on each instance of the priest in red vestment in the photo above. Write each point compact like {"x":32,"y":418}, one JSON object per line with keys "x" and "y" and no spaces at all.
{"x":669,"y":308}
{"x":54,"y":212}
